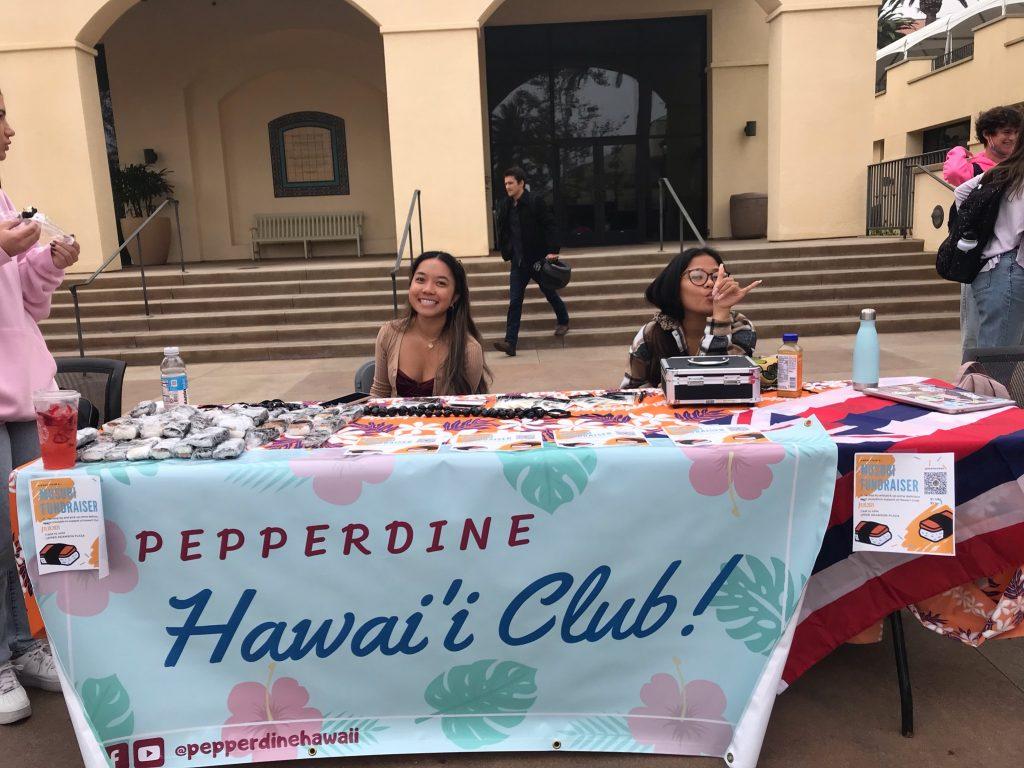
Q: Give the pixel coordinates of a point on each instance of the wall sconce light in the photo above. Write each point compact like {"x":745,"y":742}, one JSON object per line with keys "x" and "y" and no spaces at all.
{"x":750,"y":129}
{"x":149,"y":155}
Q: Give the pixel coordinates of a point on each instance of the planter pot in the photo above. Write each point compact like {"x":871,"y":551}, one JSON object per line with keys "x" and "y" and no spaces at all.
{"x":155,"y":240}
{"x":748,"y":214}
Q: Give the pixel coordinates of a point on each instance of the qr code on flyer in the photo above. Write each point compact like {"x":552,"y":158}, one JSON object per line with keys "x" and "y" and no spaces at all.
{"x":934,"y":483}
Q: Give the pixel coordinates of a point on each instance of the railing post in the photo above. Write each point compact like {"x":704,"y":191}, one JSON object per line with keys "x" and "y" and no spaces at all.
{"x":419,"y":211}
{"x":394,"y":294}
{"x":142,"y":271}
{"x":181,"y":247}
{"x":78,"y":320}
{"x":661,"y":216}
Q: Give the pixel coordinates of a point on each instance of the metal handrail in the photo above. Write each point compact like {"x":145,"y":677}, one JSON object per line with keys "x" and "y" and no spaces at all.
{"x":935,"y":176}
{"x":142,"y":267}
{"x":664,"y":184}
{"x":414,"y":206}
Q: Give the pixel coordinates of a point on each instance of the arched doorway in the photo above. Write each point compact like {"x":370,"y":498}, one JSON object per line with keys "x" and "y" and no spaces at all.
{"x":596,"y":113}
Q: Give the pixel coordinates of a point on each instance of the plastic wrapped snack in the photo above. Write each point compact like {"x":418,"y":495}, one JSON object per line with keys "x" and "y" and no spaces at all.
{"x":202,"y":453}
{"x":260,"y":436}
{"x":236,"y":424}
{"x":229,"y":449}
{"x":208,"y":438}
{"x":182,"y":450}
{"x":126,"y":431}
{"x":175,"y":427}
{"x":138,"y":450}
{"x":151,"y":426}
{"x":95,"y":451}
{"x":164,"y":449}
{"x":145,"y":408}
{"x":87,"y":436}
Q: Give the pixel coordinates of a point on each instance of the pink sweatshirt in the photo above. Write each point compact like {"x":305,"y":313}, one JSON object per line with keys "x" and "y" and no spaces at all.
{"x":27,"y":281}
{"x":959,"y":166}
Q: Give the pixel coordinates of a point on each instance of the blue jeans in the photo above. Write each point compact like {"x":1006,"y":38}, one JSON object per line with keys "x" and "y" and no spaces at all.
{"x":518,"y":279}
{"x":968,"y":319}
{"x":999,"y":294}
{"x":19,"y":443}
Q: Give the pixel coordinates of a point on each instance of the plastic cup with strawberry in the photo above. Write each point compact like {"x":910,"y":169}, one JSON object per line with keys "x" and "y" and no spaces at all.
{"x":57,"y":421}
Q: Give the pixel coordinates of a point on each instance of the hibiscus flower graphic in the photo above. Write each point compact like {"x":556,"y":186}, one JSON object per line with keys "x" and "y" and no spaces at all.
{"x":681,"y":719}
{"x":269,"y":713}
{"x":742,"y":470}
{"x":84,"y":593}
{"x":338,"y":476}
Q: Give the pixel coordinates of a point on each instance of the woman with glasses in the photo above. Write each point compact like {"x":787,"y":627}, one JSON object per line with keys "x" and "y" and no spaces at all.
{"x":695,"y":296}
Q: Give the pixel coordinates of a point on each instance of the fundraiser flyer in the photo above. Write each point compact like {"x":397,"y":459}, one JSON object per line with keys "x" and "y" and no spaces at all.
{"x":904,"y":502}
{"x":498,"y":441}
{"x":390,"y":444}
{"x":67,"y":516}
{"x":712,"y":434}
{"x":602,"y":437}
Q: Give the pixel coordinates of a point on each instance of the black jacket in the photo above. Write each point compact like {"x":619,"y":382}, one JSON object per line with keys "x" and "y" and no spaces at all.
{"x":539,"y":232}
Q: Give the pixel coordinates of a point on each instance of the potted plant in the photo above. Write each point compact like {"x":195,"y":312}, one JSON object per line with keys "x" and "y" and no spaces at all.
{"x":138,"y":192}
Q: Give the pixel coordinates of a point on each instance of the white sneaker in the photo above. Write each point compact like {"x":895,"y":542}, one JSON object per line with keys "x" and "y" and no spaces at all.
{"x":14,"y":703}
{"x":35,"y":667}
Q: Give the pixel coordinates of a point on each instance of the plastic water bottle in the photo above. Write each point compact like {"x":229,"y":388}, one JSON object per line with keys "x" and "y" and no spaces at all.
{"x":968,"y":242}
{"x":173,"y":378}
{"x":865,"y":352}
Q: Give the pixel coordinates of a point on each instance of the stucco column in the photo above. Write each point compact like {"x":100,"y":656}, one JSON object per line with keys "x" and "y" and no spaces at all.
{"x":436,"y":123}
{"x":820,"y":102}
{"x":58,"y":162}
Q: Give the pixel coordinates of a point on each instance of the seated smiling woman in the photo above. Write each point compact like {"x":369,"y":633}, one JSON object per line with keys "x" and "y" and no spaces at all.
{"x":695,"y":295}
{"x":435,"y":349}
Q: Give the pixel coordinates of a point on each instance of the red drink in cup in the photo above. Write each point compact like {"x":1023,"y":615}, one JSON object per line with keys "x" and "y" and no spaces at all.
{"x":57,"y":420}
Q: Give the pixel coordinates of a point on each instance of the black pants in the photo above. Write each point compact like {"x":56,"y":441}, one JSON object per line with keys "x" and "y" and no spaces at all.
{"x":518,"y":279}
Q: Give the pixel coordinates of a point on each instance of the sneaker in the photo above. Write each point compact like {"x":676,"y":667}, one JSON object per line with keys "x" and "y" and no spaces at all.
{"x":561,"y":329}
{"x":504,"y":346}
{"x":35,"y":667}
{"x":14,"y":704}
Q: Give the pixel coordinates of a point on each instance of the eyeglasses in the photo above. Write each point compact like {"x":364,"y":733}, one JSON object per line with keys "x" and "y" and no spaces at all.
{"x":699,"y":276}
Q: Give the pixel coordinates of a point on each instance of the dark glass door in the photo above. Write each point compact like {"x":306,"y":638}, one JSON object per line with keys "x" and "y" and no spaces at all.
{"x":598,"y":194}
{"x":596,"y":113}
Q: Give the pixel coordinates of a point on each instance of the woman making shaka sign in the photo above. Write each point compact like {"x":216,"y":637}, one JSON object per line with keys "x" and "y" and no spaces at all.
{"x":696,"y":297}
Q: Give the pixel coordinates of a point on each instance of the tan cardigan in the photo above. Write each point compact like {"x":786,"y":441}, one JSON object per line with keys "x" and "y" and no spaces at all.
{"x":389,"y":344}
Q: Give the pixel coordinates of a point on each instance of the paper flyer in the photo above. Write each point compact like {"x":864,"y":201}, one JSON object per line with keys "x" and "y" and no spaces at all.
{"x":497,"y":441}
{"x":398,"y":444}
{"x":904,"y":502}
{"x":602,"y":437}
{"x":713,"y":434}
{"x":67,"y":516}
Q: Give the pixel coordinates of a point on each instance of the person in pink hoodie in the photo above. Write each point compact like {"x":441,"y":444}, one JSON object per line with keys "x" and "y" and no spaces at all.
{"x":30,"y":272}
{"x":997,"y":129}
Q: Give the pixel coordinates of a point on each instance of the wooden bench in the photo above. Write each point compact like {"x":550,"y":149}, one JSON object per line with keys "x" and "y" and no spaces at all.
{"x":306,"y":228}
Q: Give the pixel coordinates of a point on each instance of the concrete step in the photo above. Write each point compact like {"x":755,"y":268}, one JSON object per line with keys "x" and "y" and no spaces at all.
{"x":798,"y":271}
{"x":789,"y":287}
{"x":761,"y":304}
{"x":151,"y":355}
{"x":488,"y":265}
{"x":335,"y":325}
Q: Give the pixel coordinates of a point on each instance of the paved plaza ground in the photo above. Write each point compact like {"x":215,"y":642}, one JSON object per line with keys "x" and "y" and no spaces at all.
{"x":843,"y":713}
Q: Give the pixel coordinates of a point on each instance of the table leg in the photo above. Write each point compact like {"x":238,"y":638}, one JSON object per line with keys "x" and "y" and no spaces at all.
{"x":899,"y":644}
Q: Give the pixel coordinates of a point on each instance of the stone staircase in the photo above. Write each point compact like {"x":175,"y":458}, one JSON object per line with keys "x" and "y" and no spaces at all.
{"x":230,"y":311}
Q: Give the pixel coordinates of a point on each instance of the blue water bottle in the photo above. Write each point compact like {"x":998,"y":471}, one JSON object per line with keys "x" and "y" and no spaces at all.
{"x":865,"y":352}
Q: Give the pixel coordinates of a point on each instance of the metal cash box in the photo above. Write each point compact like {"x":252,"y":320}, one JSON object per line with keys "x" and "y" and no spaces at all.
{"x":711,"y":380}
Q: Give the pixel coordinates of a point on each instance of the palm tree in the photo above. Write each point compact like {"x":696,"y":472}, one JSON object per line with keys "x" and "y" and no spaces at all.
{"x":892,"y":25}
{"x":931,"y":8}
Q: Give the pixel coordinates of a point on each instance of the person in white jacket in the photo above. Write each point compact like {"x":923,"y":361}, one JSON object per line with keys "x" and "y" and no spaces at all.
{"x":30,"y":272}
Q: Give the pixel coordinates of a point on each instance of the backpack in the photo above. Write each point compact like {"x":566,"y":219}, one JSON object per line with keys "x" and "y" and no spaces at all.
{"x":952,"y":217}
{"x":977,"y":216}
{"x":973,"y":378}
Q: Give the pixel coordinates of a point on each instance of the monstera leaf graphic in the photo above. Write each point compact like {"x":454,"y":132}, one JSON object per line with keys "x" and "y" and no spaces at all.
{"x":750,"y":603}
{"x":480,"y":702}
{"x":108,"y":706}
{"x":550,"y":477}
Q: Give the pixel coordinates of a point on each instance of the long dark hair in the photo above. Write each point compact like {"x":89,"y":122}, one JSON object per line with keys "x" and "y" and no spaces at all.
{"x":1009,"y":172}
{"x":459,"y":327}
{"x":664,"y":293}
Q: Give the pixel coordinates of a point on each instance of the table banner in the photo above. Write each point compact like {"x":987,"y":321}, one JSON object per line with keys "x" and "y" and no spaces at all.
{"x":295,"y":604}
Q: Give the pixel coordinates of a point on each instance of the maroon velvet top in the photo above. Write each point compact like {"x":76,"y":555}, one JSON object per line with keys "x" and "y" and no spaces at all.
{"x":407,"y":387}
